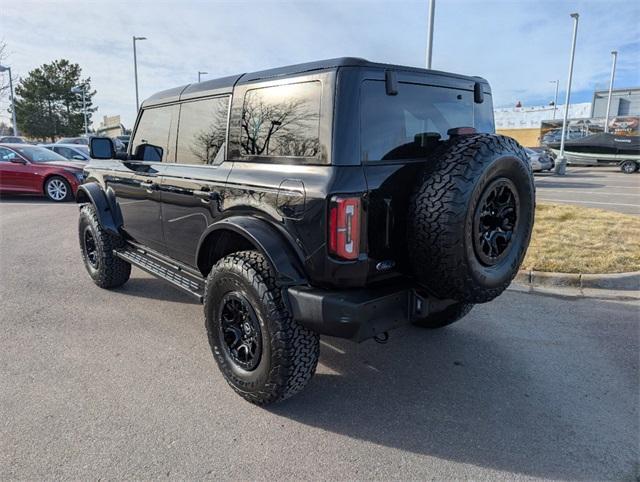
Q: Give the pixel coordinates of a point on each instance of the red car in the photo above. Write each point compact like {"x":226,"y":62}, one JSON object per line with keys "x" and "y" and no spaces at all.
{"x":26,"y":169}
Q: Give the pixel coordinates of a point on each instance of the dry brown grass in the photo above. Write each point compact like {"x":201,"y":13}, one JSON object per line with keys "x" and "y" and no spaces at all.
{"x":572,"y":239}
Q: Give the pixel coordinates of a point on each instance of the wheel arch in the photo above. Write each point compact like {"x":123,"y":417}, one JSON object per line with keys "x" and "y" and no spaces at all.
{"x":107,"y":208}
{"x":240,"y":233}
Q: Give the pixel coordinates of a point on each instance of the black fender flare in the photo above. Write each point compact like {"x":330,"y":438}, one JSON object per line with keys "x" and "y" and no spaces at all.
{"x":266,"y":239}
{"x":107,"y":208}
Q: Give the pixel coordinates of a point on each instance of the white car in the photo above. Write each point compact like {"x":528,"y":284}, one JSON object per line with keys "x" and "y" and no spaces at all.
{"x":73,"y":152}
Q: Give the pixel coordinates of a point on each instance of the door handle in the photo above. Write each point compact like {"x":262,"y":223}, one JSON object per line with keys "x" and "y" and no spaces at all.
{"x":149,"y":186}
{"x":207,"y":195}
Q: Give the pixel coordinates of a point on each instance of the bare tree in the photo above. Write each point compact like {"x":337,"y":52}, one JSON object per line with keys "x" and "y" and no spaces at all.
{"x":4,"y":81}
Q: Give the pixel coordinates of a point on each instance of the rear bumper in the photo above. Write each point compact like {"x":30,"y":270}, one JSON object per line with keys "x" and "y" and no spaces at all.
{"x":356,"y":314}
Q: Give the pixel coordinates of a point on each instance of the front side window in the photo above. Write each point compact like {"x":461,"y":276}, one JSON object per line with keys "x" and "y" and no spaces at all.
{"x":6,"y":155}
{"x":202,"y":131}
{"x":282,"y":121}
{"x":404,"y":126}
{"x":153,"y":130}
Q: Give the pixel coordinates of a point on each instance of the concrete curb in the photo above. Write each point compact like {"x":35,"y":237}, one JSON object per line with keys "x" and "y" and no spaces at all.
{"x":619,"y":285}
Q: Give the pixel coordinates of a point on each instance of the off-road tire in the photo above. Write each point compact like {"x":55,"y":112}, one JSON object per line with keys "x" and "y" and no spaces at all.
{"x":58,"y":179}
{"x":107,"y":270}
{"x":289,"y":352}
{"x":450,"y":314}
{"x":442,"y":214}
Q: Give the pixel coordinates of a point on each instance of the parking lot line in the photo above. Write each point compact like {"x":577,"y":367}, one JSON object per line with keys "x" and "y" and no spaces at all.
{"x":599,"y":193}
{"x":573,"y":201}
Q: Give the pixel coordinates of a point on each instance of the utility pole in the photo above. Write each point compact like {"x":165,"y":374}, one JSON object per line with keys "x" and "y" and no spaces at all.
{"x":432,"y":9}
{"x":561,"y":164}
{"x":614,"y":58}
{"x":13,"y":102}
{"x":135,"y":68}
{"x":200,"y":74}
{"x":555,"y":99}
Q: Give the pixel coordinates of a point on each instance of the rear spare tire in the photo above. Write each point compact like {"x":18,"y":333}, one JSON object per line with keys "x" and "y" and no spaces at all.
{"x":470,"y":218}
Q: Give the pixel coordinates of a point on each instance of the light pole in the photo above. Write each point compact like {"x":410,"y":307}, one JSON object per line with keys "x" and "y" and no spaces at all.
{"x":614,"y":57}
{"x":555,"y":99}
{"x":13,"y":102}
{"x":432,"y":9}
{"x":200,"y":74}
{"x":561,"y":165}
{"x":135,"y":68}
{"x":80,"y":90}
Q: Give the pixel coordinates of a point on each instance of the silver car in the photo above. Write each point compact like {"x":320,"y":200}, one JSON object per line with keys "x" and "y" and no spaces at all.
{"x":73,"y":152}
{"x":539,"y":160}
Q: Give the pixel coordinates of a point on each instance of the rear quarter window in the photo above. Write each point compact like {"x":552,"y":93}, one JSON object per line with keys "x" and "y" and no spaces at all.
{"x":281,"y":121}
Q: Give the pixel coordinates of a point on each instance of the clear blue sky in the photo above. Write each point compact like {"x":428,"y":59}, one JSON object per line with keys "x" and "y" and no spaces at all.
{"x":517,"y":45}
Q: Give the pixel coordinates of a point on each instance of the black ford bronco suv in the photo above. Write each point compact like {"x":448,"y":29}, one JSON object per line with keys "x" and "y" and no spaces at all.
{"x":340,"y":198}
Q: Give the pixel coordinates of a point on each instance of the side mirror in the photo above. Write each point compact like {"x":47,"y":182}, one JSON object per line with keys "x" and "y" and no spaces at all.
{"x":149,"y":152}
{"x":101,"y":148}
{"x":17,"y":160}
{"x":78,"y":157}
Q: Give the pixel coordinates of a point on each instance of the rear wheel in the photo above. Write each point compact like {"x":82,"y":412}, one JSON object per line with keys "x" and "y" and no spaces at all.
{"x":264,"y":355}
{"x":450,"y":314}
{"x":629,"y":167}
{"x":57,"y":189}
{"x":472,"y":215}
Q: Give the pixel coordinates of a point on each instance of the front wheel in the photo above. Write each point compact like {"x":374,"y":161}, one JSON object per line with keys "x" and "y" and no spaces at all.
{"x":263,"y":354}
{"x":96,"y":246}
{"x":58,"y":189}
{"x":629,"y":167}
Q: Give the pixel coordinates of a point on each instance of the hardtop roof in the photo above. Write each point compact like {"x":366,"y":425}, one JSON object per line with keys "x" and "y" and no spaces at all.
{"x":226,"y":84}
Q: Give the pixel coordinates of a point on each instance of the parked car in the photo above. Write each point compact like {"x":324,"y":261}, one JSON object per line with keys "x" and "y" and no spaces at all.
{"x":84,"y":141}
{"x":125,"y":140}
{"x":341,"y":198}
{"x":73,"y":152}
{"x":539,"y":159}
{"x":119,"y":145}
{"x":26,"y":169}
{"x":630,"y":166}
{"x":13,"y":140}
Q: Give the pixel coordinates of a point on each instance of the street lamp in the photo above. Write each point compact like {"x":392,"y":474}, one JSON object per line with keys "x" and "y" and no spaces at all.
{"x":561,"y":165}
{"x":135,"y":68}
{"x":555,"y":99}
{"x":614,"y":57}
{"x":13,"y":102}
{"x":200,"y":74}
{"x":80,"y":89}
{"x":432,"y":9}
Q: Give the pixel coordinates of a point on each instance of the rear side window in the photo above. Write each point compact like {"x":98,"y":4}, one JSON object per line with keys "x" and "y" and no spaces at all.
{"x":202,"y":131}
{"x":282,"y":121}
{"x":153,"y":129}
{"x":401,"y":126}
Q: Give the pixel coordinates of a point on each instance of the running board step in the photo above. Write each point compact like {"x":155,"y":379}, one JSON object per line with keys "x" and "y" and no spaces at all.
{"x":163,"y":269}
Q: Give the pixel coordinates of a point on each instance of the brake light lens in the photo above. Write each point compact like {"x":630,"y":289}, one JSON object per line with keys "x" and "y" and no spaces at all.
{"x":344,"y":227}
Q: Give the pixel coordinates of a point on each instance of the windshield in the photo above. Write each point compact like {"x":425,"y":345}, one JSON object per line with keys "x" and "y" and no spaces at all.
{"x":38,"y":154}
{"x":82,"y":149}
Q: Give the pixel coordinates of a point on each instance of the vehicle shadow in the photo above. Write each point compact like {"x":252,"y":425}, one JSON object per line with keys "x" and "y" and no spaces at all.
{"x":25,"y":199}
{"x":154,"y":288}
{"x":454,"y":394}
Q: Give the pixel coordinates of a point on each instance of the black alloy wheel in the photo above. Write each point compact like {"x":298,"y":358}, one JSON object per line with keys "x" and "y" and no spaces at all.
{"x":239,"y":331}
{"x":90,"y":247}
{"x":496,"y":221}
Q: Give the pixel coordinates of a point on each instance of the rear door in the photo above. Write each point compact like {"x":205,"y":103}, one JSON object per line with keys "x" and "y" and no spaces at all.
{"x":399,"y":133}
{"x":193,"y":187}
{"x":18,"y":176}
{"x":137,"y":181}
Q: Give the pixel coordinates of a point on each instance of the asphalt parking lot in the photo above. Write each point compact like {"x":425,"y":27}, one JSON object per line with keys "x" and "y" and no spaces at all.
{"x":121,"y":384}
{"x":593,"y":187}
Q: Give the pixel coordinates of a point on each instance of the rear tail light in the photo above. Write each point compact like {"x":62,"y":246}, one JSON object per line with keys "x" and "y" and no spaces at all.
{"x":344,"y":227}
